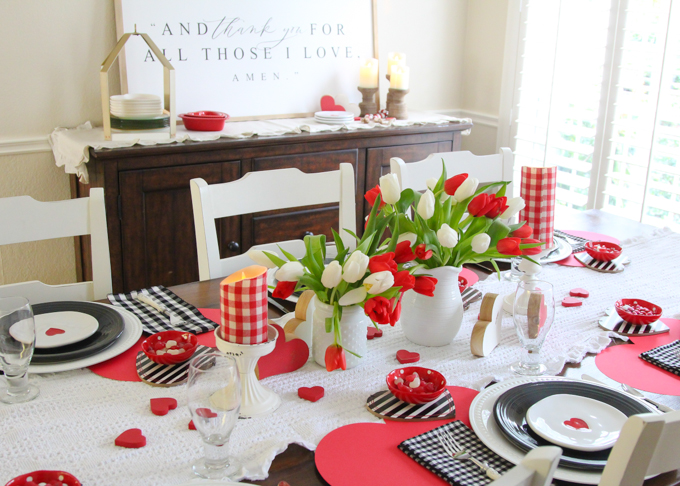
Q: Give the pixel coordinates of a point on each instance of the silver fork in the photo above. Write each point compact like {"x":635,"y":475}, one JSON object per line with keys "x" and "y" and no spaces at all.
{"x":451,"y":447}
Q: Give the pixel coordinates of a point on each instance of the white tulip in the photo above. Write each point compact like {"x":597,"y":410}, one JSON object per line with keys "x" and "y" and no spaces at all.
{"x":515,"y":205}
{"x":410,"y":237}
{"x":389,"y":188}
{"x":447,"y":236}
{"x":481,"y":242}
{"x":260,"y":257}
{"x":332,"y":275}
{"x":377,"y":283}
{"x":353,"y":297}
{"x":290,"y":272}
{"x":355,"y":267}
{"x":466,"y":189}
{"x":443,"y":197}
{"x":426,"y":205}
{"x":431,"y":183}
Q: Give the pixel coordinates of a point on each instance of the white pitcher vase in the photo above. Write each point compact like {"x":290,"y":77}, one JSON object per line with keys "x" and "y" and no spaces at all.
{"x":353,"y":326}
{"x":434,"y":321}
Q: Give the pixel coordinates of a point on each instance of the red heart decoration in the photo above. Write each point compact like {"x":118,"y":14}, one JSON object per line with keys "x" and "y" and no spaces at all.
{"x":287,"y":356}
{"x":191,"y":425}
{"x":161,"y":406}
{"x":52,"y":331}
{"x":312,"y":394}
{"x":131,"y":438}
{"x":404,"y":356}
{"x":373,"y":333}
{"x":328,"y":104}
{"x":360,"y":445}
{"x":571,"y":302}
{"x":579,"y":292}
{"x":205,"y":413}
{"x":576,"y":423}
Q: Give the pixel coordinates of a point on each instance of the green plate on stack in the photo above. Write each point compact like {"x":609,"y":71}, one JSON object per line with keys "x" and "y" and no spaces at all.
{"x":161,"y":121}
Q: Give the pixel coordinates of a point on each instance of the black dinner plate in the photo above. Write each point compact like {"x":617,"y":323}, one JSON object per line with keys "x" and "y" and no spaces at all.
{"x":511,"y":408}
{"x":111,"y":326}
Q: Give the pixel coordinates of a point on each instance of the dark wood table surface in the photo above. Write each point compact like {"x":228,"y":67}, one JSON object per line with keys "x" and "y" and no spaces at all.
{"x":296,"y":464}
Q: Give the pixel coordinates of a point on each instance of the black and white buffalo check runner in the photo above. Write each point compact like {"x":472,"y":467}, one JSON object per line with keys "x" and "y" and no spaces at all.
{"x":168,"y":375}
{"x":427,"y":450}
{"x":665,"y":357}
{"x":154,"y":321}
{"x":384,"y":404}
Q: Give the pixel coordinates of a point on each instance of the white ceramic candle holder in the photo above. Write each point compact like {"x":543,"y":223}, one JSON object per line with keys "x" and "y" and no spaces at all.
{"x":256,"y":399}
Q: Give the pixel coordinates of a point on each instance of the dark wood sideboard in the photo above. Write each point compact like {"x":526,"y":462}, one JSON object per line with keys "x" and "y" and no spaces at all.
{"x":148,"y":201}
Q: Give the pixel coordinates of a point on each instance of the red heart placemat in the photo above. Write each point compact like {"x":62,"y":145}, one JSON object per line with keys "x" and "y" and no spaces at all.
{"x":570,"y":261}
{"x":368,"y":454}
{"x":623,"y":364}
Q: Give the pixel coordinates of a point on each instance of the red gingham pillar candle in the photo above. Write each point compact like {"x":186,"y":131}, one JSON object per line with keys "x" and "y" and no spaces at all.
{"x":243,"y":306}
{"x":538,"y":190}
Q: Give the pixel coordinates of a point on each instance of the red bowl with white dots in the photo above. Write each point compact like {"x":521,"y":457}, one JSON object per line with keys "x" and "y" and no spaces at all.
{"x":416,"y":396}
{"x":50,"y":478}
{"x":603,"y":251}
{"x":637,"y":311}
{"x":186,"y":343}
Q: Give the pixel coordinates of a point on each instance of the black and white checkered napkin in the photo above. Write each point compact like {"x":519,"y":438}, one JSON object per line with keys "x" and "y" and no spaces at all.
{"x":666,"y":357}
{"x":154,"y":321}
{"x":427,"y":450}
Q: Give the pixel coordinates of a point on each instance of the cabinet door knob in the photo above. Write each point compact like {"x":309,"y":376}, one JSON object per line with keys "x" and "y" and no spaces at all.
{"x":233,"y":246}
{"x":308,"y":233}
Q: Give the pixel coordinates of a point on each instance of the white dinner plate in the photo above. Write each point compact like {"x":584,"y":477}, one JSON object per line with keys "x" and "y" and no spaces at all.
{"x":484,"y":425}
{"x":130,"y":335}
{"x":135,"y":97}
{"x":334,"y":114}
{"x":576,"y":422}
{"x":74,"y":327}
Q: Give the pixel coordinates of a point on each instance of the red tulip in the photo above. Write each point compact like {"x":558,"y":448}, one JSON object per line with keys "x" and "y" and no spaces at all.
{"x":425,"y":285}
{"x":404,"y":253}
{"x":335,"y":358}
{"x":477,"y":205}
{"x":405,"y":280}
{"x":378,"y":309}
{"x":383,"y":263}
{"x":523,"y":232}
{"x":495,"y":206}
{"x":396,"y":313}
{"x":284,"y":289}
{"x":534,"y":250}
{"x":372,"y":195}
{"x":421,"y":253}
{"x":509,"y":246}
{"x":453,"y":183}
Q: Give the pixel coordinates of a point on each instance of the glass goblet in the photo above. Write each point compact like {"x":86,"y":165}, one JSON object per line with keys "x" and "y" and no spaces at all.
{"x":17,"y":342}
{"x":214,"y":398}
{"x":533,"y":314}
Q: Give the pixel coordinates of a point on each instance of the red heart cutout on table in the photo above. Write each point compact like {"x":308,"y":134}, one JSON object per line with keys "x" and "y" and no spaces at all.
{"x":131,"y":438}
{"x":191,"y":425}
{"x":372,"y":450}
{"x":205,"y":413}
{"x":312,"y":394}
{"x":328,"y":104}
{"x":404,"y":356}
{"x":53,"y":331}
{"x":161,"y":406}
{"x":576,"y":423}
{"x":287,"y":356}
{"x":571,"y":302}
{"x":579,"y":292}
{"x":373,"y":333}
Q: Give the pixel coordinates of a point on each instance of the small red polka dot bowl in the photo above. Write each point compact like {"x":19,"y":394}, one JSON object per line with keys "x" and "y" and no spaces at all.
{"x":170,"y":347}
{"x":431,"y":384}
{"x":49,"y":478}
{"x":637,"y":311}
{"x":603,"y":251}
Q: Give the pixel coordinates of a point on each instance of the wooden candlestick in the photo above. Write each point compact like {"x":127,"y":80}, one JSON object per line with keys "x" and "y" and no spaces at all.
{"x":396,"y":107}
{"x":388,"y":98}
{"x":367,"y":105}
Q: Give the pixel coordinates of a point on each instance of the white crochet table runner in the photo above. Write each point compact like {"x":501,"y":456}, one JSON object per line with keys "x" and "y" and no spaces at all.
{"x":71,"y":147}
{"x":72,"y":425}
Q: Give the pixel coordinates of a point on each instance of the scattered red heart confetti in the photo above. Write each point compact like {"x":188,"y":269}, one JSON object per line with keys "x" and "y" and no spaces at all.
{"x":372,"y":332}
{"x":161,"y":406}
{"x":404,"y":356}
{"x":205,"y":413}
{"x":131,"y":438}
{"x":191,"y":425}
{"x":53,"y":331}
{"x":576,"y":423}
{"x":312,"y":394}
{"x":571,"y":302}
{"x":579,"y":292}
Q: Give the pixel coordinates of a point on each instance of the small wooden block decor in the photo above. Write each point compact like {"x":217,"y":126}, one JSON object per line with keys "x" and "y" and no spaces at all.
{"x":579,"y":292}
{"x":290,"y":354}
{"x":571,"y":302}
{"x":312,"y":394}
{"x":131,"y":439}
{"x":372,"y":333}
{"x":161,"y":406}
{"x":613,"y":322}
{"x":614,"y":266}
{"x":155,"y":374}
{"x":487,"y":331}
{"x":385,"y":405}
{"x":404,"y":356}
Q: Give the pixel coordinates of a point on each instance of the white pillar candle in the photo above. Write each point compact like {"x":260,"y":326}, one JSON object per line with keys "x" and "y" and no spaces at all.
{"x":395,"y":59}
{"x":399,"y":77}
{"x":368,"y":74}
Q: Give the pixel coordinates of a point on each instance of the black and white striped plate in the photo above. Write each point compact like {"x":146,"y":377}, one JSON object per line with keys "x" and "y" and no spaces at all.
{"x":385,"y":405}
{"x":469,"y":296}
{"x":167,"y":375}
{"x":613,"y":322}
{"x":614,"y":266}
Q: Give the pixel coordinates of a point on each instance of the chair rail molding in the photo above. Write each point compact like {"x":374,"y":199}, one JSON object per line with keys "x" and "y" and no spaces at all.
{"x":477,"y":118}
{"x":25,"y":146}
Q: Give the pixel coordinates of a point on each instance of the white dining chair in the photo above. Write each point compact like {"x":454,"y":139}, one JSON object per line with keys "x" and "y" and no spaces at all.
{"x":486,"y":168}
{"x":649,"y":445}
{"x":23,"y":219}
{"x":536,"y":469}
{"x":265,"y":191}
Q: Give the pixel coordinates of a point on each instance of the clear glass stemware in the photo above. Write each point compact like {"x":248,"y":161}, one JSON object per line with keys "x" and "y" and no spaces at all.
{"x":17,"y":342}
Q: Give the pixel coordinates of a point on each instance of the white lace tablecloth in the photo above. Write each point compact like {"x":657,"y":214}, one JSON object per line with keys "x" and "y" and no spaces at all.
{"x":71,"y":147}
{"x":72,"y":425}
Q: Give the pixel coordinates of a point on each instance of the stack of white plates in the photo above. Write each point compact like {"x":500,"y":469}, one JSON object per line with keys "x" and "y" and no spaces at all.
{"x":334,"y":117}
{"x":136,"y":106}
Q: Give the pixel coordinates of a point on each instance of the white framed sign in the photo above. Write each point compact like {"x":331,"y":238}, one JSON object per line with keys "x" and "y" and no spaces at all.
{"x":250,"y":59}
